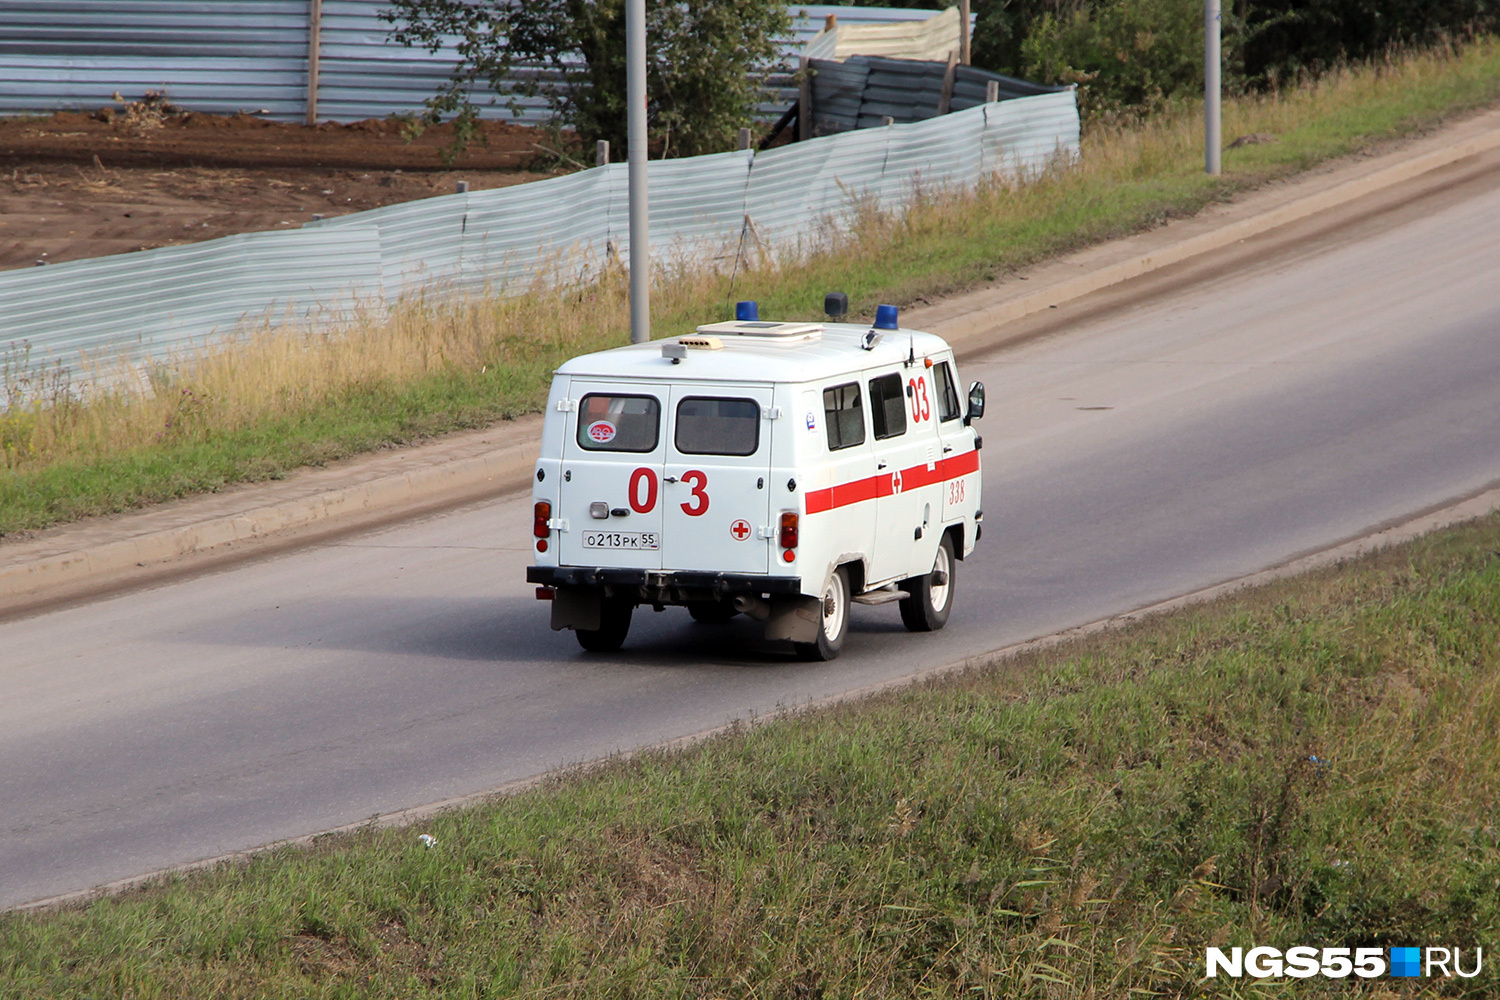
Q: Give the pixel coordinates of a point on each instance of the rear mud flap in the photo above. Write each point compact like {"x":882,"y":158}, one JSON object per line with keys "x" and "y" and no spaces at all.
{"x":576,"y":608}
{"x":796,"y":618}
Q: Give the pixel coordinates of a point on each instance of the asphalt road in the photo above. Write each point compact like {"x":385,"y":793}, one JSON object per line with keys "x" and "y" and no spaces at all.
{"x":1186,"y":435}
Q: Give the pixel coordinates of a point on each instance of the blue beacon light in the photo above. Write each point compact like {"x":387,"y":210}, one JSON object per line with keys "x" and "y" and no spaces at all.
{"x":746,"y":312}
{"x":885,"y":318}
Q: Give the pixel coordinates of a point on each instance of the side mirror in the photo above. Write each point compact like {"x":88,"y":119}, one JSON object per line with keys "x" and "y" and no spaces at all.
{"x":976,"y":401}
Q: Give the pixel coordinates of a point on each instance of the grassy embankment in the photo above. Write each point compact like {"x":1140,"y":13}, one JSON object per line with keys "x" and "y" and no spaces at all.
{"x":283,"y":399}
{"x":1310,"y":763}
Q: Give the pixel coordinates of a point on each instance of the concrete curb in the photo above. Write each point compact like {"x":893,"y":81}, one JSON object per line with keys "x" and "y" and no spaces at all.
{"x":509,"y":467}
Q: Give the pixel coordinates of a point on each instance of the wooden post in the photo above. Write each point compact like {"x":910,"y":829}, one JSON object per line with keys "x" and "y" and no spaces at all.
{"x":744,"y":142}
{"x":963,"y":31}
{"x":314,"y":43}
{"x":601,"y":152}
{"x":804,"y":100}
{"x":946,"y":100}
{"x":991,"y":91}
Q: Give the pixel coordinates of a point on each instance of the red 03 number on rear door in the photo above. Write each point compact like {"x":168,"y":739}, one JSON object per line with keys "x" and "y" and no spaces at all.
{"x":698,"y":505}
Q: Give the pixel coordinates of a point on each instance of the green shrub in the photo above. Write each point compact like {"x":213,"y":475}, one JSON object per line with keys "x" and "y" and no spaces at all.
{"x":1126,"y":56}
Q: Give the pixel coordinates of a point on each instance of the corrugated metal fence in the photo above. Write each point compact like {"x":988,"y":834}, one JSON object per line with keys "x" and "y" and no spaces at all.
{"x":862,"y":91}
{"x":252,"y":55}
{"x":148,"y":304}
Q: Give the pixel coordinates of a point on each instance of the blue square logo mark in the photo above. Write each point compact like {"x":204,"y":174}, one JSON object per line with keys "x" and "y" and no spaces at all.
{"x":1406,"y":961}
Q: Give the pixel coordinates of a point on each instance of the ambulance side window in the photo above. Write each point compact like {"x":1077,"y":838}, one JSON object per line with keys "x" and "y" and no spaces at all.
{"x":608,"y":422}
{"x":887,"y":406}
{"x":707,"y":426}
{"x":844,"y":416}
{"x":947,"y":393}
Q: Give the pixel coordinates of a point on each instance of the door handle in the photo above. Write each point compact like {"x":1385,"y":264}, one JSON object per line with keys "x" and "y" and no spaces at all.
{"x":669,"y":479}
{"x":880,"y":465}
{"x":947,"y":448}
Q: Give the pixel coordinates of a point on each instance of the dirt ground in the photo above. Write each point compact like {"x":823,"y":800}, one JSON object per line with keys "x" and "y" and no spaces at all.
{"x":139,"y":176}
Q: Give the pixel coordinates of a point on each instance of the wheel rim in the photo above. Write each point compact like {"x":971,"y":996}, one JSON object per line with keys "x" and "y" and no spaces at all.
{"x":937,"y":594}
{"x":834,"y":605}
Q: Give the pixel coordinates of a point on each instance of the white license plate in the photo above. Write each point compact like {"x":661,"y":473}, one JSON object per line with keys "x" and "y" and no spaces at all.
{"x":645,"y":540}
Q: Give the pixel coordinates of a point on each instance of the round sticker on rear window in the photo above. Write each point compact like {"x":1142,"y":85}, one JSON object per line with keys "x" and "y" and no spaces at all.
{"x":601,"y":432}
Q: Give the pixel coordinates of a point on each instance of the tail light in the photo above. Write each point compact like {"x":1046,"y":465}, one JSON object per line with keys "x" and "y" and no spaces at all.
{"x":541,"y":513}
{"x":788,"y":535}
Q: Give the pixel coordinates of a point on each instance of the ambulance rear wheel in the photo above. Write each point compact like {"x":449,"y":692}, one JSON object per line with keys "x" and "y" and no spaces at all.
{"x":711,"y":612}
{"x":614,"y":625}
{"x":926,"y":610}
{"x":835,"y":624}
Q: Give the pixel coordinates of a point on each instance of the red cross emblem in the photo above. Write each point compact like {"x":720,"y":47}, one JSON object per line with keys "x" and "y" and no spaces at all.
{"x":740,"y":530}
{"x":896,"y":482}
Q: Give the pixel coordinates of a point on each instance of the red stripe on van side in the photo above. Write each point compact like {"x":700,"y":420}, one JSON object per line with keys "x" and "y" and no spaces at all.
{"x":960,"y":465}
{"x":873,"y":487}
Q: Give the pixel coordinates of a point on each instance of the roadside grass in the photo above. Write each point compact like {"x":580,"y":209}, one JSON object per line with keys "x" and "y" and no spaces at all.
{"x":281,"y":397}
{"x":1312,"y":762}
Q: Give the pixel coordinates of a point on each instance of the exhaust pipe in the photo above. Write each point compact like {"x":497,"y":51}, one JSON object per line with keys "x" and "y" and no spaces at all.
{"x":757,"y":608}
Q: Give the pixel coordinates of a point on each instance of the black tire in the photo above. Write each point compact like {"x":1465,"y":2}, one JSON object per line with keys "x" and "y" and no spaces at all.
{"x":926,"y":610}
{"x":711,"y":612}
{"x":836,"y":601}
{"x":614,"y":625}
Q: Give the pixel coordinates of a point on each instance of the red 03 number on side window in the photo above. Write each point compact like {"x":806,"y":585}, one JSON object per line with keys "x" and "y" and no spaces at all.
{"x":921,"y":409}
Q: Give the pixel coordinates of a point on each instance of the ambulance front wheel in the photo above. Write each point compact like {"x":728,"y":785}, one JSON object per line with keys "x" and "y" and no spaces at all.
{"x":835,"y":624}
{"x":614,"y":625}
{"x":926,"y":610}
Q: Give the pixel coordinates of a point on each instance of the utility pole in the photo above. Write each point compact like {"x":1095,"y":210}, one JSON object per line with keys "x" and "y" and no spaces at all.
{"x":314,"y":44}
{"x":963,"y":32}
{"x":1212,"y":135}
{"x":635,"y":128}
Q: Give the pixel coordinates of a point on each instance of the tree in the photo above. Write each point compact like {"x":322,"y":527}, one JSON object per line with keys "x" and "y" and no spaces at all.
{"x":707,"y":61}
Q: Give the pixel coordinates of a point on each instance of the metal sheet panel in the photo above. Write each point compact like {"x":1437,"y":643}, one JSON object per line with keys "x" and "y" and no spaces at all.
{"x":421,"y":242}
{"x":797,"y":192}
{"x":837,"y":90}
{"x":162,"y":301}
{"x":929,"y":39}
{"x":697,"y":204}
{"x":1025,"y":136}
{"x":902,"y":89}
{"x":931,"y":158}
{"x":223,"y":57}
{"x":557,"y":228}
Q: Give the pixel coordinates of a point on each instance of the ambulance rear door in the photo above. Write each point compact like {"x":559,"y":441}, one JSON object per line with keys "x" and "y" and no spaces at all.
{"x":611,"y":490}
{"x":716,"y":489}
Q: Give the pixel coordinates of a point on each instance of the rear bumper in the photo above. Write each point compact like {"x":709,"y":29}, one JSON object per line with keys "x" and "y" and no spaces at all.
{"x":662,"y":586}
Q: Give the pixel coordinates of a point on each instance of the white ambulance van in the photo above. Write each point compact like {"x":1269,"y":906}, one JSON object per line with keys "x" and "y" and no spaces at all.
{"x":776,"y":470}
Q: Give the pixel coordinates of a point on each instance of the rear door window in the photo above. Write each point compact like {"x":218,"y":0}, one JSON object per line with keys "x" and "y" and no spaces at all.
{"x":708,"y":425}
{"x":887,"y":406}
{"x":610,"y":422}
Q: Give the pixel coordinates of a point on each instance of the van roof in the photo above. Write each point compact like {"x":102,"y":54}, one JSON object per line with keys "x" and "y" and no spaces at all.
{"x":804,"y":352}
